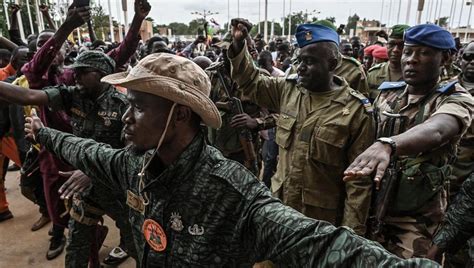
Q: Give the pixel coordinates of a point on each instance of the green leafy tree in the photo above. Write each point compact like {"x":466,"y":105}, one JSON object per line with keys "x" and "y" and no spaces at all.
{"x":443,"y":21}
{"x":178,"y":28}
{"x":331,"y":19}
{"x":352,"y":22}
{"x":100,"y":21}
{"x":276,"y":28}
{"x":196,"y":27}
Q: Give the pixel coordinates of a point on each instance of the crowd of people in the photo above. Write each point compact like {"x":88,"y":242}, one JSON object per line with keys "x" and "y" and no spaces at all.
{"x":231,"y":152}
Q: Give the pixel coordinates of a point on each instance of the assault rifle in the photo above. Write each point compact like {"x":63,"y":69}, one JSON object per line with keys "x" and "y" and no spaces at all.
{"x":234,"y":105}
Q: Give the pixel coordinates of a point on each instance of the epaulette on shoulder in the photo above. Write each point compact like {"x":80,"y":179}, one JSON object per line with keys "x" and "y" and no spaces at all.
{"x":291,"y":77}
{"x":352,"y":60}
{"x":376,"y":67}
{"x":363,"y":99}
{"x":392,"y":85}
{"x":446,"y":87}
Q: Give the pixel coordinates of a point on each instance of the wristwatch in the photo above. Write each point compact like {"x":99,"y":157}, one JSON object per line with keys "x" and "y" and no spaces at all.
{"x":389,"y":141}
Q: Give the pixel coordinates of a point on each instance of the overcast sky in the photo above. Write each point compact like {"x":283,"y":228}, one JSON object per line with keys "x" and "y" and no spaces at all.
{"x":166,"y":11}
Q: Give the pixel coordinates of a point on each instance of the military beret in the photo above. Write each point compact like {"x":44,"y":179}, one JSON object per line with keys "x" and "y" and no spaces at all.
{"x":96,"y":60}
{"x":312,"y":33}
{"x":326,"y":23}
{"x":368,"y":50}
{"x":398,"y":30}
{"x":380,"y":53}
{"x":430,"y":35}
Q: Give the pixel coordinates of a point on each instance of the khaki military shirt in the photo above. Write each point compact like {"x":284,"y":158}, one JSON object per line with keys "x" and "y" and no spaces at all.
{"x":446,"y":98}
{"x":318,"y":135}
{"x":353,"y":71}
{"x":377,"y":75}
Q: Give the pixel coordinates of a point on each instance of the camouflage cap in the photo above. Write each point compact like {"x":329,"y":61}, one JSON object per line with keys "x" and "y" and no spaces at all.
{"x":326,"y":23}
{"x":95,"y":59}
{"x":398,"y":30}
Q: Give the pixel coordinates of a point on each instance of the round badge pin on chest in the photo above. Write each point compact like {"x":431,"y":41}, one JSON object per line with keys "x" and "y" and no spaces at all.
{"x":154,"y":235}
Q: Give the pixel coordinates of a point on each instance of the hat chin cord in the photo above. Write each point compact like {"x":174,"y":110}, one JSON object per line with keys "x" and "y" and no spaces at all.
{"x":145,"y":165}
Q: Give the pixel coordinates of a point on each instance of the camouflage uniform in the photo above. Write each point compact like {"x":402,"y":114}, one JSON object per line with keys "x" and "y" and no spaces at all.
{"x":226,"y":138}
{"x":212,"y":212}
{"x":100,"y":120}
{"x":377,"y":75}
{"x":459,"y":222}
{"x":463,"y":167}
{"x":318,"y":135}
{"x":420,"y":200}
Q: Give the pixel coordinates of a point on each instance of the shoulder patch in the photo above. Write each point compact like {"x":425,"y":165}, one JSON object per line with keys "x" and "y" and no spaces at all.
{"x":351,"y":59}
{"x":376,"y":67}
{"x":392,"y":85}
{"x":363,"y":99}
{"x":445,"y":87}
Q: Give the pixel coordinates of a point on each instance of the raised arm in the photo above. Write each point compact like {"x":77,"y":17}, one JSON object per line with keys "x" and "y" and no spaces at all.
{"x":14,"y":31}
{"x":263,"y":90}
{"x":45,"y":11}
{"x":39,"y":65}
{"x":19,"y":95}
{"x":129,"y":45}
{"x":7,"y":44}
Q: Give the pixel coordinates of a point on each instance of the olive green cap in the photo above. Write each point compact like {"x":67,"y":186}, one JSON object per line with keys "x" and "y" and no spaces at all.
{"x":398,"y":30}
{"x":96,"y":60}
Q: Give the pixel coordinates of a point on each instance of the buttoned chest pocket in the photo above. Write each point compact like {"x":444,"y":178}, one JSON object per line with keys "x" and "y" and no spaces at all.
{"x":328,"y":145}
{"x":194,"y":251}
{"x":284,"y":130}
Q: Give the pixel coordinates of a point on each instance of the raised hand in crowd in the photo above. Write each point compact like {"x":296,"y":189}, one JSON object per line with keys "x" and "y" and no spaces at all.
{"x":44,"y":8}
{"x":142,"y":9}
{"x":76,"y":16}
{"x":14,"y":8}
{"x":240,"y":31}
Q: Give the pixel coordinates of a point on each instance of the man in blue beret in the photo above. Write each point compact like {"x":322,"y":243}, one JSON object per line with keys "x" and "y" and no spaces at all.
{"x":323,"y":125}
{"x":420,"y":122}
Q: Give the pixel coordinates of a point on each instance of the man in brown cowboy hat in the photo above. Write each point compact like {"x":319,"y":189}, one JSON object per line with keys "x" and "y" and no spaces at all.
{"x":188,"y":205}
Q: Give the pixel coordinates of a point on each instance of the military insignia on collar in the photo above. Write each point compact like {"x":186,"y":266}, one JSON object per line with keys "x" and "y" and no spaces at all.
{"x":345,"y":111}
{"x":154,"y":235}
{"x":196,"y":230}
{"x":176,"y":223}
{"x":308,"y":36}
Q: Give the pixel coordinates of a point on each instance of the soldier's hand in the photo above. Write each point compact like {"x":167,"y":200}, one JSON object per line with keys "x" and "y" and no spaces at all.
{"x":243,"y":120}
{"x":240,"y":31}
{"x":14,"y":8}
{"x":32,"y":125}
{"x":376,"y":159}
{"x":142,"y":8}
{"x":435,"y":254}
{"x":77,"y":16}
{"x":76,"y":183}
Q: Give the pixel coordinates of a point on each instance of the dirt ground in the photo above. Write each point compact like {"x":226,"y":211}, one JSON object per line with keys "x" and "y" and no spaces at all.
{"x":20,"y":247}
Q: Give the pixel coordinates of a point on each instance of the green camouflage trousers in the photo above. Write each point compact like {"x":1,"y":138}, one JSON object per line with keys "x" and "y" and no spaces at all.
{"x":86,"y":211}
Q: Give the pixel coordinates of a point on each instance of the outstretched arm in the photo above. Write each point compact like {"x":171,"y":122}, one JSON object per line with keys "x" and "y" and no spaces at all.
{"x":19,"y":95}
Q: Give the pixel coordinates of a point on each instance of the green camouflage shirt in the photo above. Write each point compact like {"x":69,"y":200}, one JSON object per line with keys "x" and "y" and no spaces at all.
{"x":459,"y":221}
{"x":215,"y":213}
{"x":99,"y":119}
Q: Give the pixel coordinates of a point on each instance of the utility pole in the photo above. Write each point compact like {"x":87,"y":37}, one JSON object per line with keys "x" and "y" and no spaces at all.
{"x":259,"y":19}
{"x":204,"y":15}
{"x":439,"y":11}
{"x":289,"y":24}
{"x":381,"y":13}
{"x":421,"y":4}
{"x":399,"y":10}
{"x":407,"y":19}
{"x":436,"y":11}
{"x":460,"y":13}
{"x":125,"y":15}
{"x":29,"y":18}
{"x":468,"y":27}
{"x":119,"y":20}
{"x":389,"y":13}
{"x":20,"y":22}
{"x":111,"y":23}
{"x":265,"y":26}
{"x":451,"y":16}
{"x":283,"y":20}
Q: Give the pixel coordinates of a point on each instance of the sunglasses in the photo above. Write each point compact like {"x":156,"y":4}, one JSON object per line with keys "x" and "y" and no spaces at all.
{"x":468,"y":56}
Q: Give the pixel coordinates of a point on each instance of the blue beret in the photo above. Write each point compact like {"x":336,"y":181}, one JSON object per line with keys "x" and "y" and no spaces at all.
{"x":430,"y":35}
{"x":313,"y":33}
